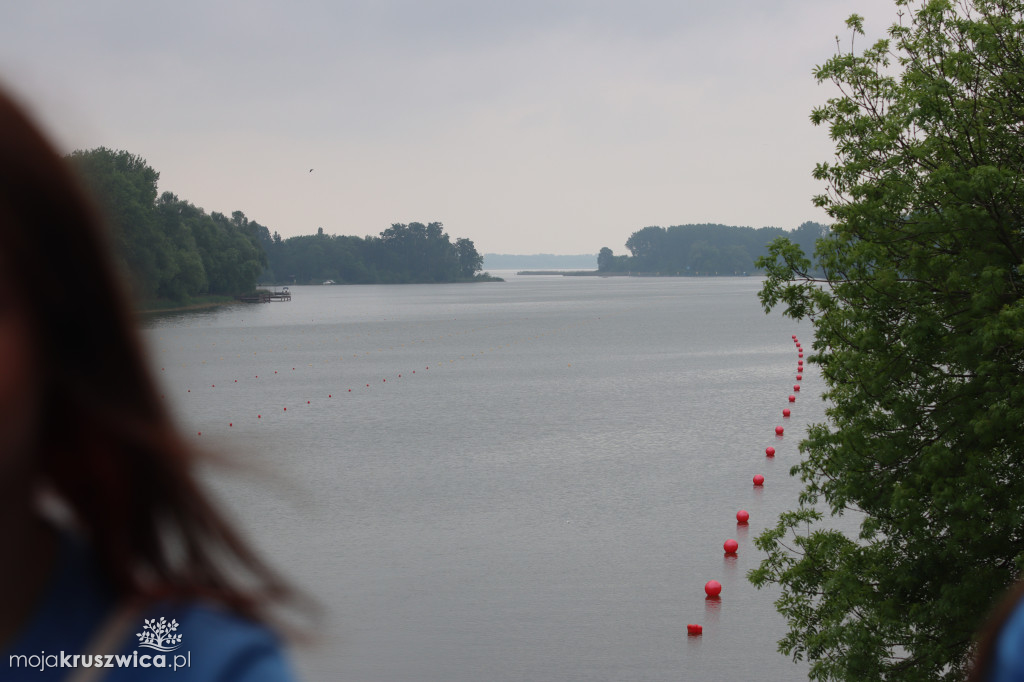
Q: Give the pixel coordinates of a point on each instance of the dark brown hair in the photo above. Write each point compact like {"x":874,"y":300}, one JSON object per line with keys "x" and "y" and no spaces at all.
{"x":107,"y":445}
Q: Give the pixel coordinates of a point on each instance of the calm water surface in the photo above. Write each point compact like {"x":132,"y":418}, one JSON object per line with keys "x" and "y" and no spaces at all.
{"x":545,"y":502}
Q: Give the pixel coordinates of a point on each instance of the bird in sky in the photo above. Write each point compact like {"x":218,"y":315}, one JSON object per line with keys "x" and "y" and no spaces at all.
{"x":310,"y":170}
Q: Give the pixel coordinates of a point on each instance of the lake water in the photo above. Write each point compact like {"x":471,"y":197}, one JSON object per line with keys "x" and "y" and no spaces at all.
{"x":529,"y":480}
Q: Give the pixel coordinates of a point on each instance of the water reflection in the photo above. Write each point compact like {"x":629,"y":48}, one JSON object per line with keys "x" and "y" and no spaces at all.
{"x":712,"y":609}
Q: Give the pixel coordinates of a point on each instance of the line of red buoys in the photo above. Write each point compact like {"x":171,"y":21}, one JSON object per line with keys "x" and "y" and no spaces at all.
{"x":713,"y":588}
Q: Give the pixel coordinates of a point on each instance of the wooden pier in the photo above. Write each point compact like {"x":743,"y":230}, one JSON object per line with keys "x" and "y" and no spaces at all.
{"x":267,"y":296}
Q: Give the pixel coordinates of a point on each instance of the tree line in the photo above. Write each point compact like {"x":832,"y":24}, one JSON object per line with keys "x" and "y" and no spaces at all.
{"x":401,"y":254}
{"x":166,"y":247}
{"x":171,"y":250}
{"x":705,"y":249}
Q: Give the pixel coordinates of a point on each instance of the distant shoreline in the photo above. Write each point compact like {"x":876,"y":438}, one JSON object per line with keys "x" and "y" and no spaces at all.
{"x":153,"y":307}
{"x":598,"y":273}
{"x":564,"y":273}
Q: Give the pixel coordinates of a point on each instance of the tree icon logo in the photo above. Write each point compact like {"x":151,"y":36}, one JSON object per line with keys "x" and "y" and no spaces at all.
{"x":159,"y":635}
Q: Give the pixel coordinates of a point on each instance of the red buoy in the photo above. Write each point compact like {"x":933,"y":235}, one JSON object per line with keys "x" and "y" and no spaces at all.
{"x":731,"y":546}
{"x":796,"y":387}
{"x":742,"y":517}
{"x":758,"y":479}
{"x":779,"y":430}
{"x":800,"y":354}
{"x":799,"y":377}
{"x":792,"y":398}
{"x":713,"y":588}
{"x":694,"y":630}
{"x":770,"y":451}
{"x":786,"y":412}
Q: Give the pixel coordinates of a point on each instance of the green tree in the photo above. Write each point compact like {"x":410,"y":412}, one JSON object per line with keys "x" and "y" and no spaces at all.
{"x":168,"y":248}
{"x":470,"y":260}
{"x":647,"y":246}
{"x":919,"y":333}
{"x":186,"y":277}
{"x":125,"y":187}
{"x":704,"y":257}
{"x":416,"y":252}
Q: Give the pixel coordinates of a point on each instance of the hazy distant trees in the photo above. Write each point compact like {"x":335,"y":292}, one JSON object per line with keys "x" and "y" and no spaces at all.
{"x":470,"y":261}
{"x":403,"y":253}
{"x":167,"y":247}
{"x":706,"y":249}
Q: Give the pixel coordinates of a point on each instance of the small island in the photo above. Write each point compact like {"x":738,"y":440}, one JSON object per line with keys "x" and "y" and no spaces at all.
{"x":705,"y":250}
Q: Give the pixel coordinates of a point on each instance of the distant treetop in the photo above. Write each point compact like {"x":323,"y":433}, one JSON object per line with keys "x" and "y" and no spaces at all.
{"x":705,"y":249}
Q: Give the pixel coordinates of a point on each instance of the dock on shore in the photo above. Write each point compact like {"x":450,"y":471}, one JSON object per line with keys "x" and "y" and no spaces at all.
{"x":267,"y":296}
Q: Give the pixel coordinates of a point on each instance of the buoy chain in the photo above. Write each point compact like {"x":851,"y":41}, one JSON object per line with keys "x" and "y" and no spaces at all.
{"x":713,"y":588}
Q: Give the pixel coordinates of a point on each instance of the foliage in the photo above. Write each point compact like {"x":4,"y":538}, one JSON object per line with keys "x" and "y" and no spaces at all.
{"x":700,"y":249}
{"x":171,"y":250}
{"x":919,"y":333}
{"x":168,"y":248}
{"x":402,"y":253}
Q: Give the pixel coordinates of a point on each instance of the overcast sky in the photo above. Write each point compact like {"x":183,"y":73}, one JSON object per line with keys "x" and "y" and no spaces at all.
{"x":555,"y":126}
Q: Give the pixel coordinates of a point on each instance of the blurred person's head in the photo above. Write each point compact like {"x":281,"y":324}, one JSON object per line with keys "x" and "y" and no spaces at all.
{"x":80,"y":417}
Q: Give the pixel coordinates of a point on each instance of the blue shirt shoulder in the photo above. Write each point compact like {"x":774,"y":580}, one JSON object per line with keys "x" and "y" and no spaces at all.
{"x":1008,"y":659}
{"x":196,"y":642}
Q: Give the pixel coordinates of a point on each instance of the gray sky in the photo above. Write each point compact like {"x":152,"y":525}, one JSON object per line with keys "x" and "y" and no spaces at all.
{"x":556,"y":126}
